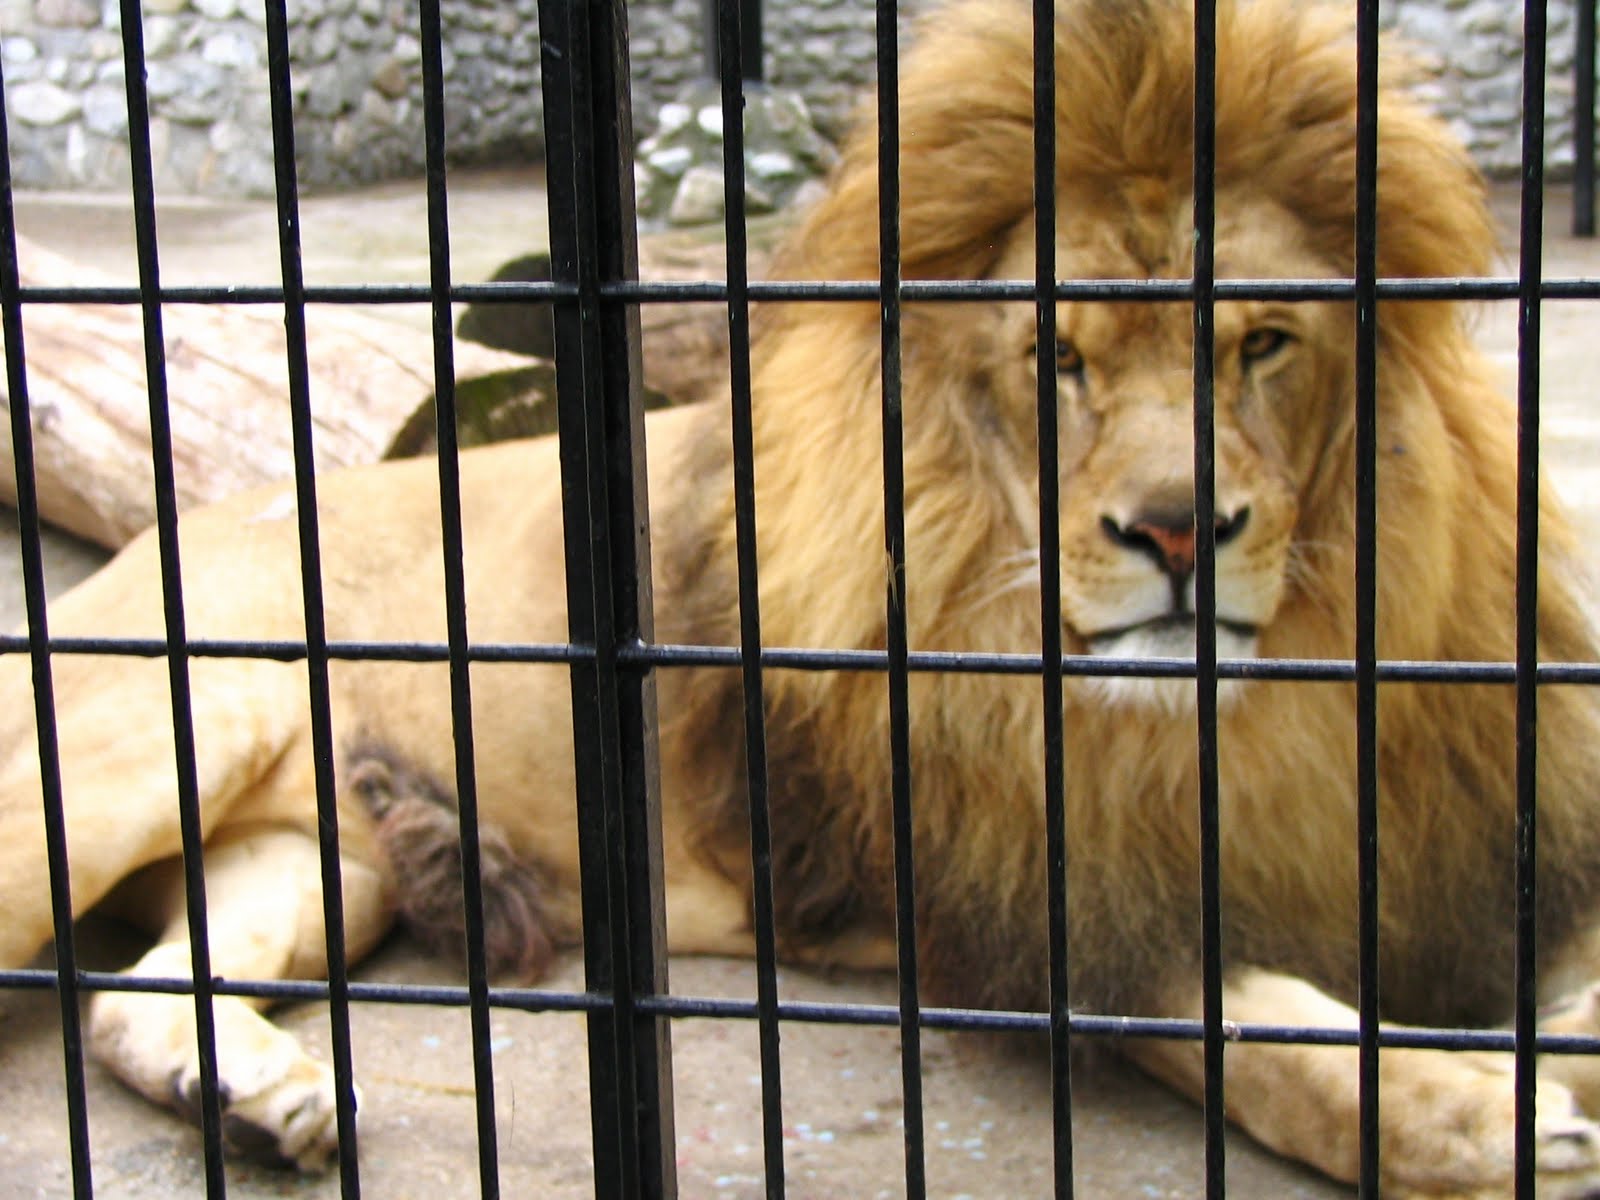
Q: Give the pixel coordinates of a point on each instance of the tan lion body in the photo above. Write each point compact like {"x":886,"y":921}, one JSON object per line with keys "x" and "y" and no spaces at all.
{"x":1285,"y":554}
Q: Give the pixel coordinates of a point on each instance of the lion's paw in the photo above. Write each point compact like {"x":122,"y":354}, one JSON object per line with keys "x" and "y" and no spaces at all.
{"x":1567,"y":1159}
{"x":282,"y":1114}
{"x":1576,"y":1013}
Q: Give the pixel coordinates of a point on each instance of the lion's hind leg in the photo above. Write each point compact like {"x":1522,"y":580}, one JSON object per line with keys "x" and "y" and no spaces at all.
{"x":265,"y":917}
{"x":1446,"y":1119}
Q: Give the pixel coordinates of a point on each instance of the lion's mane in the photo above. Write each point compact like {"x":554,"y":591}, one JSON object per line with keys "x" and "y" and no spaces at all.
{"x":1285,"y":128}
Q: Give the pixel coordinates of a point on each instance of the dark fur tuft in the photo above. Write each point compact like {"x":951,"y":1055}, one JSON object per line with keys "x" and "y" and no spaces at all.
{"x":419,"y":829}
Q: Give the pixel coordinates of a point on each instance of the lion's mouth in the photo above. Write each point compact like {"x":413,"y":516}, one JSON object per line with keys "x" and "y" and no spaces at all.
{"x":1172,"y":627}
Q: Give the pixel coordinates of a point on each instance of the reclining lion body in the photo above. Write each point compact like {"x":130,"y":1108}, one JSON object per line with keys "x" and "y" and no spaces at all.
{"x":1284,"y":389}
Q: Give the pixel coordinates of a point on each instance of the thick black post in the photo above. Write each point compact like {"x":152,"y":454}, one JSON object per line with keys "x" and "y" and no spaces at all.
{"x":589,"y":149}
{"x":1583,"y":122}
{"x":750,"y":66}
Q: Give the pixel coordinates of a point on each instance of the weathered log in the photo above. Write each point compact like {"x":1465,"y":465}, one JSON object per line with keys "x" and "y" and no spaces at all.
{"x":684,"y":344}
{"x":227,"y":397}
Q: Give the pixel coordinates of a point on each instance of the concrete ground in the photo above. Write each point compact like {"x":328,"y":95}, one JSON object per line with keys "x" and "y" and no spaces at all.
{"x":987,"y":1101}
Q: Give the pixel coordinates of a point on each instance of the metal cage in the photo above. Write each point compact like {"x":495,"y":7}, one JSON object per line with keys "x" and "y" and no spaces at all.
{"x":612,"y":653}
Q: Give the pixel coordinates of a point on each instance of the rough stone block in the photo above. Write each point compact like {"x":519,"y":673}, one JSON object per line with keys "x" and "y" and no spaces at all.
{"x":67,"y":14}
{"x":42,"y":103}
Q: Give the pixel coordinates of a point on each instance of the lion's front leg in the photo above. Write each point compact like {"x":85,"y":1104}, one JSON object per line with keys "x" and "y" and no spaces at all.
{"x":264,"y":905}
{"x":1445,"y":1118}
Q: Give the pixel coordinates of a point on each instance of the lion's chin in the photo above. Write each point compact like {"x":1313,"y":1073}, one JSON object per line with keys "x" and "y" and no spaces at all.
{"x":1164,"y":639}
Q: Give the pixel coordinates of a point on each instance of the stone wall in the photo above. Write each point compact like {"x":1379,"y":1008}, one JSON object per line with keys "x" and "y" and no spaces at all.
{"x":1471,"y":51}
{"x":356,"y":67}
{"x":355,"y":70}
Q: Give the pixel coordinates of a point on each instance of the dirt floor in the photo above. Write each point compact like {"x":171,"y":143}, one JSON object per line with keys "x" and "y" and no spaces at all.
{"x":987,"y":1101}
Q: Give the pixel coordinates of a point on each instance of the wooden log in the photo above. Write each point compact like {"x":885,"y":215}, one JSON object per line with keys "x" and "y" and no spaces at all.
{"x":227,"y":398}
{"x":684,"y":345}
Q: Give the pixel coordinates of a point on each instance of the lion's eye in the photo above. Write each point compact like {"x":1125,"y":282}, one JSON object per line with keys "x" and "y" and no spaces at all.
{"x":1261,"y":344}
{"x":1068,"y":359}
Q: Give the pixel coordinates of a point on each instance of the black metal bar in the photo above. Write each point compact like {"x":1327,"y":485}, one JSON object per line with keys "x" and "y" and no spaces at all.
{"x":1583,"y":120}
{"x":1529,"y":267}
{"x":746,"y":50}
{"x":641,"y":657}
{"x":894,"y":522}
{"x":188,"y":792}
{"x":731,"y":34}
{"x":1055,"y":804}
{"x":452,"y":548}
{"x":1366,"y":597}
{"x":38,"y":647}
{"x":1205,"y":578}
{"x":534,"y":1000}
{"x":592,"y":238}
{"x":294,"y":316}
{"x":958,"y":291}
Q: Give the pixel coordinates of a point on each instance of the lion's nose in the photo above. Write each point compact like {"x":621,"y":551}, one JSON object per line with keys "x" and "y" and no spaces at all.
{"x":1166,"y":536}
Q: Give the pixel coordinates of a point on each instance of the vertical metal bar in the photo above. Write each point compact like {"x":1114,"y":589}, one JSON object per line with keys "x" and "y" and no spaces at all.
{"x":1055,"y":809}
{"x":452,"y":548}
{"x":592,"y":238}
{"x":744,"y":503}
{"x":1529,"y":270}
{"x":294,"y":319}
{"x":750,"y":42}
{"x":1205,"y":168}
{"x":1366,"y":653}
{"x":1583,"y":121}
{"x":746,"y":51}
{"x":895,"y":543}
{"x":144,"y":223}
{"x":55,"y":826}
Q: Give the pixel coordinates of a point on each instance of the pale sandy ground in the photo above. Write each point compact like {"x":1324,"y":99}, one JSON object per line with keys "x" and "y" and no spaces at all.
{"x":988,"y":1104}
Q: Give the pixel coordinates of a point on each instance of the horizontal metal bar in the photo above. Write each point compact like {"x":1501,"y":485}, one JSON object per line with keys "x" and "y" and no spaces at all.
{"x":1463,"y":288}
{"x":677,"y":1007}
{"x":644,"y":657}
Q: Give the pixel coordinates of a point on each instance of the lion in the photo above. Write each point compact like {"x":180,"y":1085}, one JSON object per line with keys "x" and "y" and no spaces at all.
{"x":1284,"y":569}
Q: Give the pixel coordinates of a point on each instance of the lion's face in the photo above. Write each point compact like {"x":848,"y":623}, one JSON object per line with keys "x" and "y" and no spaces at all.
{"x":1125,"y":387}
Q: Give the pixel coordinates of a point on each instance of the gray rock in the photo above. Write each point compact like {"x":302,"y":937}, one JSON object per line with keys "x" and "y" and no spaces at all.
{"x":162,"y":36}
{"x":773,"y":164}
{"x":218,"y":10}
{"x":699,"y":197}
{"x":384,"y":113}
{"x":709,"y":119}
{"x":17,"y":50}
{"x":67,"y":14}
{"x":232,"y":48}
{"x":21,"y":73}
{"x":672,"y":117}
{"x":671,"y":162}
{"x":105,"y":111}
{"x":358,"y":33}
{"x":327,"y":42}
{"x":163,"y":80}
{"x":392,"y":79}
{"x":756,"y":198}
{"x":42,"y":103}
{"x":16,"y":16}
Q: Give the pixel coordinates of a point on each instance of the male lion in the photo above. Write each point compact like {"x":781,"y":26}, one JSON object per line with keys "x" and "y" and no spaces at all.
{"x":1285,"y":131}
